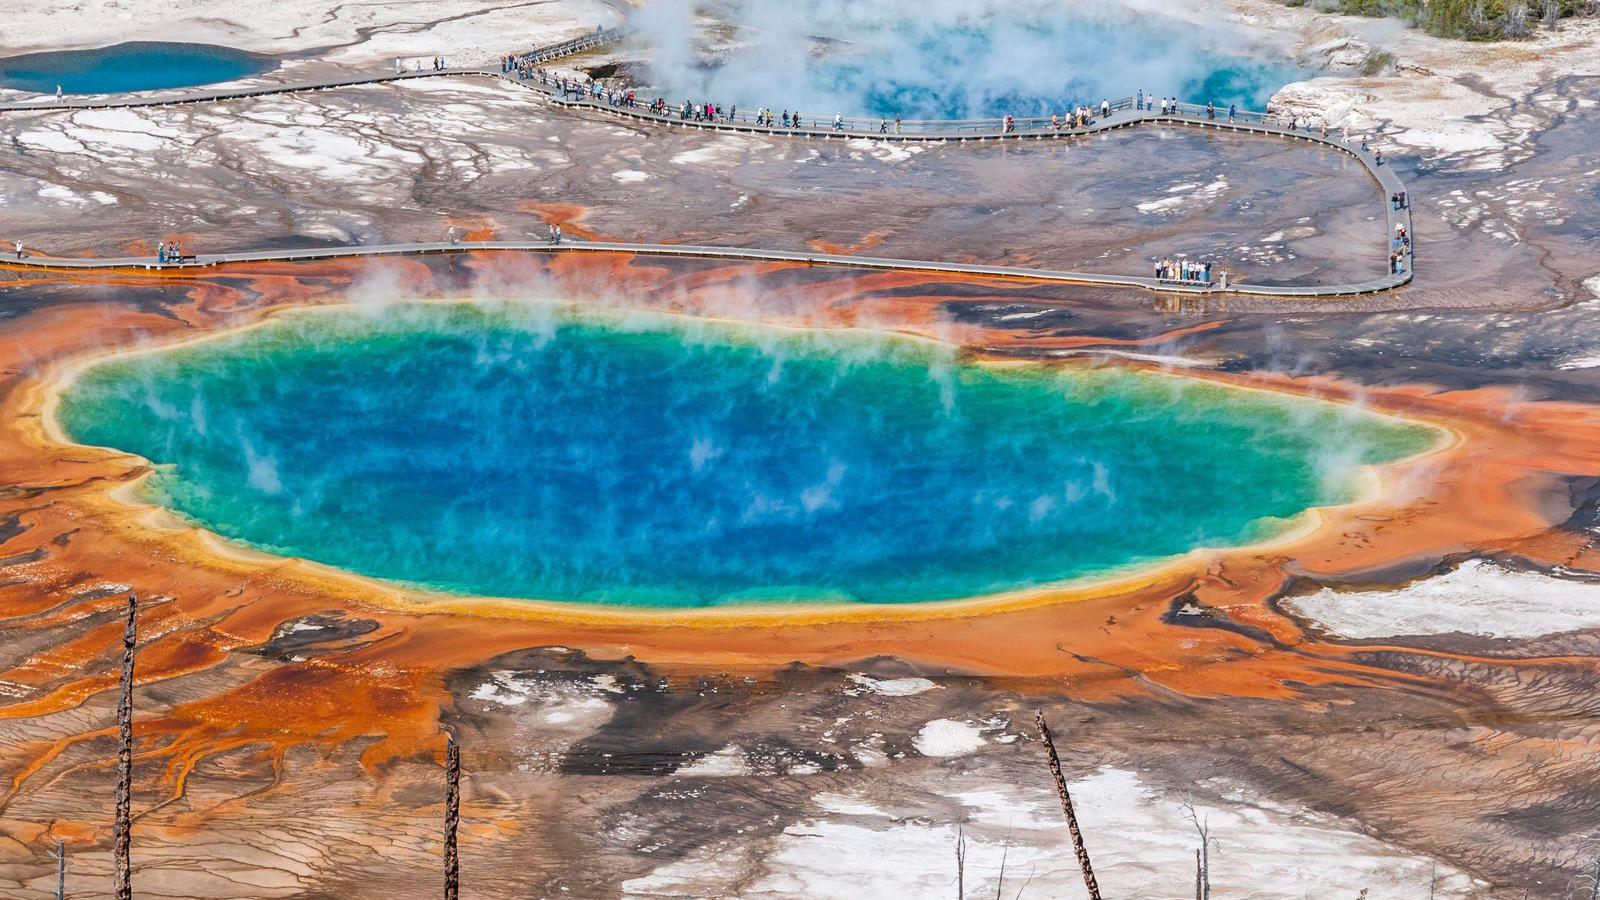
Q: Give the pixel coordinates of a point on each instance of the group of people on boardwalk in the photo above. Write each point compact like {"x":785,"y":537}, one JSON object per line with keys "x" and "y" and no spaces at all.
{"x":1169,"y":106}
{"x":1080,"y":117}
{"x":437,"y":64}
{"x":525,"y":67}
{"x":1399,"y":249}
{"x":1189,"y":271}
{"x":169,"y":252}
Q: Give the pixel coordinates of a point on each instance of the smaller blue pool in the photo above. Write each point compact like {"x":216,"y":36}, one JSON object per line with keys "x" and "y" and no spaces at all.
{"x":135,"y":66}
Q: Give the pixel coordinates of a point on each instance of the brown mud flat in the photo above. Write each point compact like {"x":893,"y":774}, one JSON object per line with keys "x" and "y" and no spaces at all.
{"x":376,"y":686}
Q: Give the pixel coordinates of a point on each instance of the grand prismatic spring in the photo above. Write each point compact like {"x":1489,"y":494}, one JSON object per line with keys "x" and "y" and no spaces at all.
{"x":697,"y":450}
{"x":655,"y":466}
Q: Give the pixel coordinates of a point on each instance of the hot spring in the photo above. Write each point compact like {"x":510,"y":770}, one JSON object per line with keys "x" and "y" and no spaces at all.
{"x":952,"y":59}
{"x":134,"y":66}
{"x":535,"y":452}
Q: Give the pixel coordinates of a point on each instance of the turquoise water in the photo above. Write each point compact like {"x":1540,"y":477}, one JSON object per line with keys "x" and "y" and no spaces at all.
{"x":662,"y":462}
{"x":973,"y":59}
{"x":136,"y":66}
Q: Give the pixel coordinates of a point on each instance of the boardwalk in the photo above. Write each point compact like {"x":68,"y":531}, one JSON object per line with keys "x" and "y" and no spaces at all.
{"x":1123,"y":115}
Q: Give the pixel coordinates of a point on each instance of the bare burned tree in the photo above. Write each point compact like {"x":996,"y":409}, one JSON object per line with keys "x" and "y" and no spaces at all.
{"x":1025,"y":884}
{"x":122,"y":834}
{"x":452,"y":817}
{"x":1005,"y":851}
{"x":1066,"y":807}
{"x":1202,"y":827}
{"x":961,"y":865}
{"x":60,"y":855}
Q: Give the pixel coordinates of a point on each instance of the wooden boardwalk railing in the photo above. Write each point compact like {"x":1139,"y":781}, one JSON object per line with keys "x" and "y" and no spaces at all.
{"x":1123,"y":115}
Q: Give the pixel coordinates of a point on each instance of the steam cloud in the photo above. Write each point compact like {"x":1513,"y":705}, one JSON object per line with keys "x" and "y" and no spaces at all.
{"x":944,"y":58}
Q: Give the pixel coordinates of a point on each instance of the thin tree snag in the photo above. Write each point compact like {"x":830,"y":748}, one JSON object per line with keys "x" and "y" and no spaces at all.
{"x":961,"y":864}
{"x":1066,"y":807}
{"x":452,"y":816}
{"x":61,"y":869}
{"x":122,"y":835}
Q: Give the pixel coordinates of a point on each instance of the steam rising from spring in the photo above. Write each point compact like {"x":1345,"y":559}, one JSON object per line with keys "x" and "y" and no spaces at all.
{"x":946,"y":58}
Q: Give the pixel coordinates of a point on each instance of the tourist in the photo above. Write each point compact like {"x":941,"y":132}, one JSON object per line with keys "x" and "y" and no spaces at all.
{"x":161,"y":252}
{"x":1009,"y":124}
{"x":19,"y":249}
{"x":1364,"y":145}
{"x":1105,"y":109}
{"x":1377,"y":157}
{"x":897,"y":123}
{"x":1233,"y":112}
{"x":883,"y":126}
{"x":450,"y":235}
{"x":58,"y":92}
{"x":1211,"y":111}
{"x":1138,"y":100}
{"x":838,"y":121}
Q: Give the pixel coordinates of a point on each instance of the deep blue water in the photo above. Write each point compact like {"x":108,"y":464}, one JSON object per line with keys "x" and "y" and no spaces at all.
{"x":972,"y":59}
{"x":137,"y":66}
{"x":663,"y":463}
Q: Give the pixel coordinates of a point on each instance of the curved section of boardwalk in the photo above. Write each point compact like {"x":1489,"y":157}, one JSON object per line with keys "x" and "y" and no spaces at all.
{"x":1123,"y":115}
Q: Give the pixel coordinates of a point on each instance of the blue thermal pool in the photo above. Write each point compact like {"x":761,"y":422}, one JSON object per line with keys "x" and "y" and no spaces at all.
{"x":136,"y":66}
{"x":963,"y":60}
{"x":529,"y":451}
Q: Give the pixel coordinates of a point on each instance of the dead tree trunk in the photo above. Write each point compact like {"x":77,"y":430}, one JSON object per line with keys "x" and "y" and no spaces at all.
{"x":961,"y":865}
{"x":452,"y":816}
{"x":122,"y":835}
{"x":1199,"y":878}
{"x":1066,"y":807}
{"x":61,"y":870}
